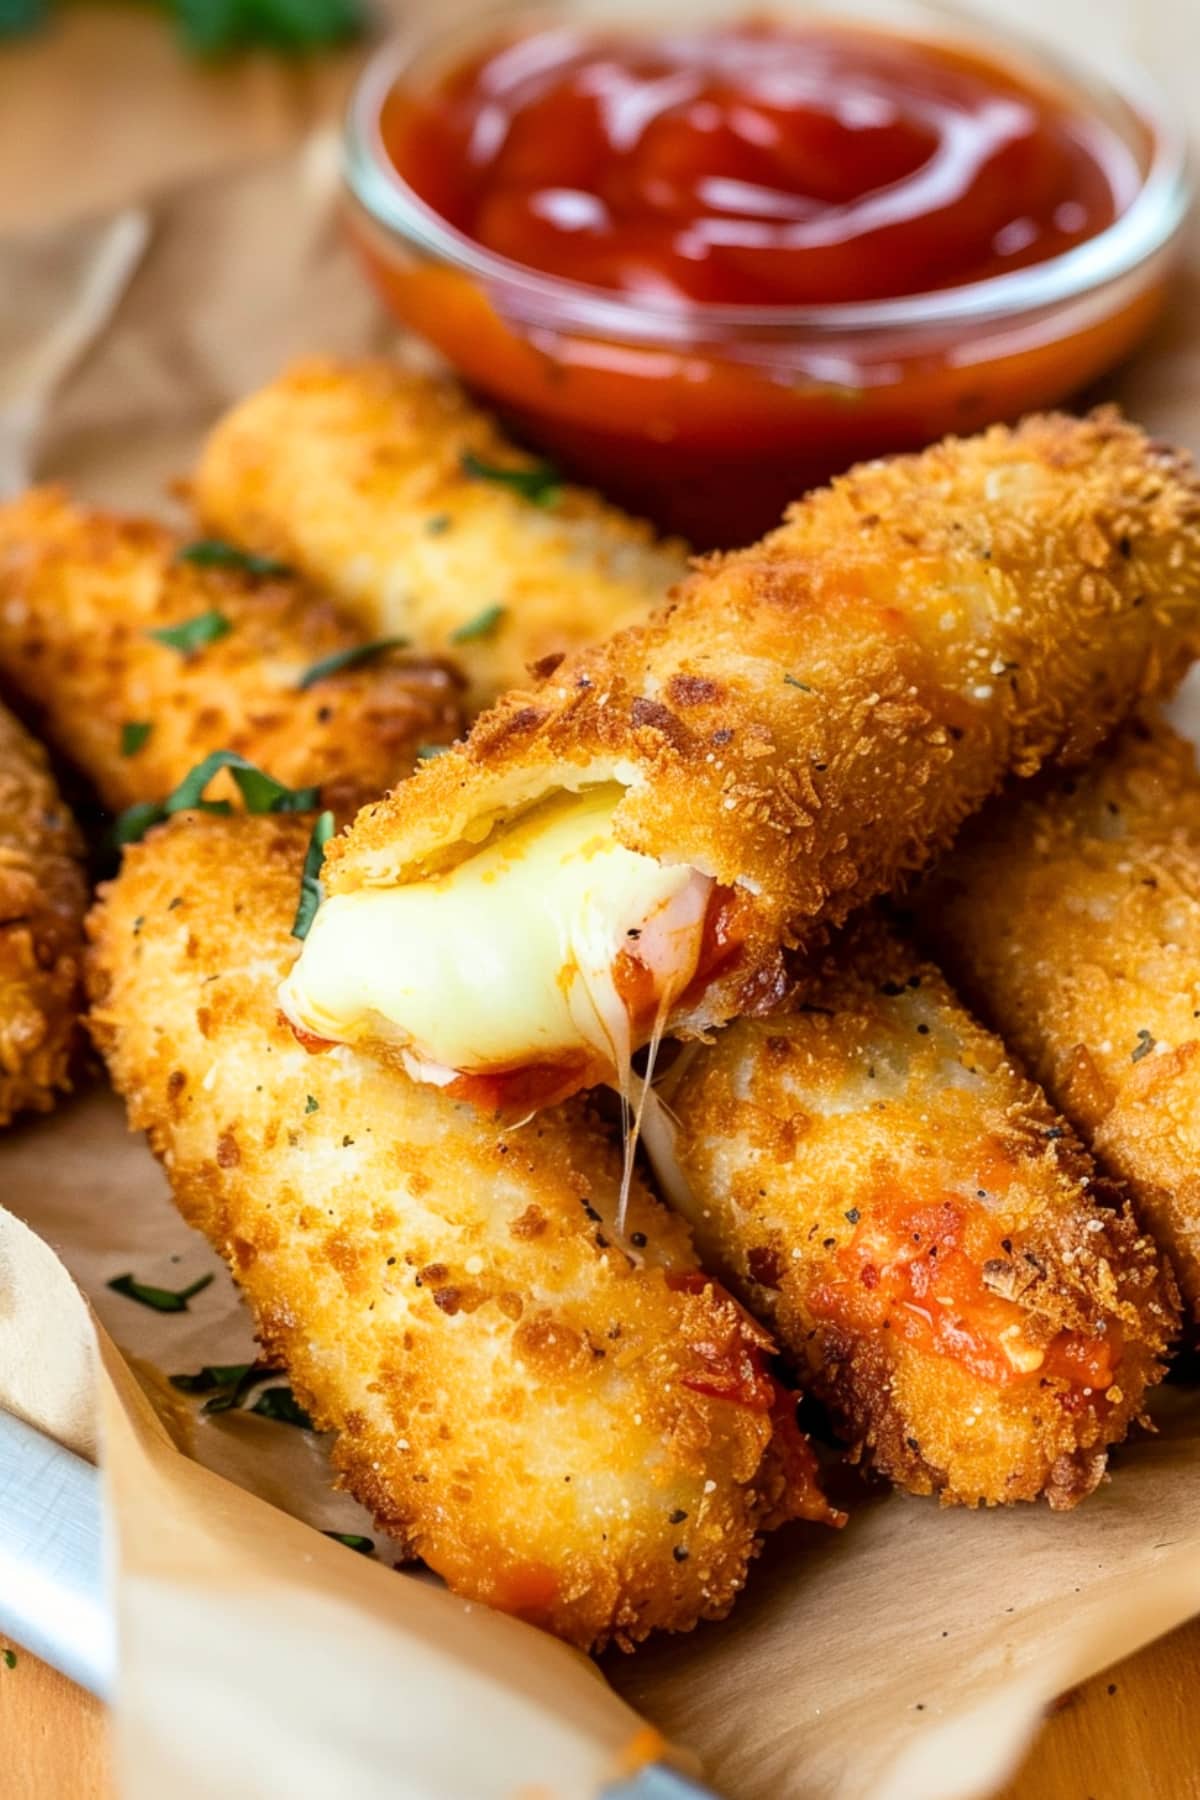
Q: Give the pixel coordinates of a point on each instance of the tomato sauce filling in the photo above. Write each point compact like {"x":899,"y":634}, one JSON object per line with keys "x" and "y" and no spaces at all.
{"x":734,"y":1369}
{"x":529,"y":1086}
{"x":908,"y":1268}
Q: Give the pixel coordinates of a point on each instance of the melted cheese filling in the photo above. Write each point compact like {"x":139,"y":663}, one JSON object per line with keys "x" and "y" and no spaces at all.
{"x":510,"y":957}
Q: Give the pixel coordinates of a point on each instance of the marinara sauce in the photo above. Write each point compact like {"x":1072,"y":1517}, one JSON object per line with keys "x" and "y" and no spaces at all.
{"x":756,"y":165}
{"x":761,"y":165}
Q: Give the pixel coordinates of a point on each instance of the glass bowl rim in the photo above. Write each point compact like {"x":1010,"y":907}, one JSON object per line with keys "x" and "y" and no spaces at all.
{"x":1146,"y":226}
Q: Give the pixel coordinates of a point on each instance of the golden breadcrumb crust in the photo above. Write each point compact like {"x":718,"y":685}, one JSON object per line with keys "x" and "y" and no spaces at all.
{"x":819,"y":1143}
{"x":1073,"y":918}
{"x":813,"y":716}
{"x":80,"y":592}
{"x":353,"y":472}
{"x":43,"y":897}
{"x":510,"y":1387}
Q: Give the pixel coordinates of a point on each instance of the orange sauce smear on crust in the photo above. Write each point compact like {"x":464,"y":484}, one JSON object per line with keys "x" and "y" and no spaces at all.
{"x":906,"y":1267}
{"x":734,"y":1371}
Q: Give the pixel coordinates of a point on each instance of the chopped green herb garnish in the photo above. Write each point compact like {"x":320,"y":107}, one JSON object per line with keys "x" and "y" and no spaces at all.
{"x":260,"y":792}
{"x":1145,"y":1045}
{"x":352,"y":658}
{"x":227,"y":1383}
{"x":541,"y":483}
{"x":212,"y":1375}
{"x":212,"y":553}
{"x":281,"y":1404}
{"x":794,"y":681}
{"x":19,"y":16}
{"x":133,"y":824}
{"x":310,"y":880}
{"x":10,"y":1656}
{"x":219,"y":27}
{"x":133,"y":735}
{"x":427,"y":752}
{"x":311,"y":1103}
{"x":353,"y":1540}
{"x":163,"y":1300}
{"x":193,"y":634}
{"x":438,"y":523}
{"x":481,"y":626}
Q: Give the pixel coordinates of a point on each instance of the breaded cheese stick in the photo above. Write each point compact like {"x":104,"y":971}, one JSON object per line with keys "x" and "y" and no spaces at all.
{"x":43,"y":897}
{"x":1072,"y":916}
{"x":393,"y":491}
{"x":929,"y":1241}
{"x":565,"y":1430}
{"x":85,"y":597}
{"x":638,"y":840}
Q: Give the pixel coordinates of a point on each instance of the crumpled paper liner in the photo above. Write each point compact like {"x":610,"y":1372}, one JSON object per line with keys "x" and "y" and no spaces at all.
{"x":909,"y":1656}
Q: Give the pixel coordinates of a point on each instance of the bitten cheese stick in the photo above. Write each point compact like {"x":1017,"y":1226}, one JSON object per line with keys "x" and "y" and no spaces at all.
{"x":1073,"y":918}
{"x":391,"y":490}
{"x":565,"y":1430}
{"x":43,"y":897}
{"x":636,"y":842}
{"x":924,"y":1234}
{"x":141,"y":661}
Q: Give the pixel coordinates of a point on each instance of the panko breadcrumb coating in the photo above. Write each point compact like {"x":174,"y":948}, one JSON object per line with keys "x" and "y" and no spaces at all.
{"x":81,"y":593}
{"x":387,"y":487}
{"x":977,"y":1309}
{"x":565,"y":1430}
{"x":1072,"y":916}
{"x":43,"y":897}
{"x":813,"y":716}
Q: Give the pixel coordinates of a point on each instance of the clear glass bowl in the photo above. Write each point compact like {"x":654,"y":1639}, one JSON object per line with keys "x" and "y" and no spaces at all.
{"x":711,"y":418}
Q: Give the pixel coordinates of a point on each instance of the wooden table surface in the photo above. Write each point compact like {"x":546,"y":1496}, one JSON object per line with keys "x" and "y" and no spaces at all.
{"x":86,"y":108}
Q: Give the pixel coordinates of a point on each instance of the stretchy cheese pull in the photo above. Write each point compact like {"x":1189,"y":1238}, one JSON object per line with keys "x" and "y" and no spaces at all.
{"x":553,"y":945}
{"x":813,"y":717}
{"x":587,"y":1438}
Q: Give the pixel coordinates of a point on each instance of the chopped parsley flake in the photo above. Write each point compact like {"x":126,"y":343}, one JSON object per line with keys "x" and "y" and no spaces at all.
{"x":481,"y":626}
{"x":260,"y":792}
{"x":794,"y":681}
{"x":540,"y":482}
{"x":353,"y":658}
{"x":353,"y":1540}
{"x":310,"y":879}
{"x":214,"y":553}
{"x":1145,"y":1045}
{"x":193,"y":634}
{"x":311,"y":1104}
{"x":281,"y":1404}
{"x":10,"y":1659}
{"x":134,"y":734}
{"x":158,"y":1299}
{"x":227,"y":1383}
{"x":427,"y":752}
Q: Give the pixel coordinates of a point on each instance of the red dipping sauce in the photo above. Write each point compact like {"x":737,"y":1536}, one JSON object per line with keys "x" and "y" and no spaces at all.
{"x":705,"y":267}
{"x":756,"y":164}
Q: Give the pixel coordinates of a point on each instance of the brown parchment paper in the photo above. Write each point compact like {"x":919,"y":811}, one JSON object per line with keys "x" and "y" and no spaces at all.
{"x":909,"y":1656}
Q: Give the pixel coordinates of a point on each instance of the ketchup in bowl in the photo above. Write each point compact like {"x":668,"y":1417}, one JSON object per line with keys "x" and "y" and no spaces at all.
{"x":707,"y":265}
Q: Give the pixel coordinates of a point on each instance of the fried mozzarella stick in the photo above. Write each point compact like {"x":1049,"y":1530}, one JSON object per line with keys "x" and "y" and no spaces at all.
{"x":1073,"y":917}
{"x":925,"y":1236}
{"x":561,"y":1429}
{"x":390,"y":489}
{"x":634,"y":843}
{"x":140,"y":661}
{"x":43,"y":897}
